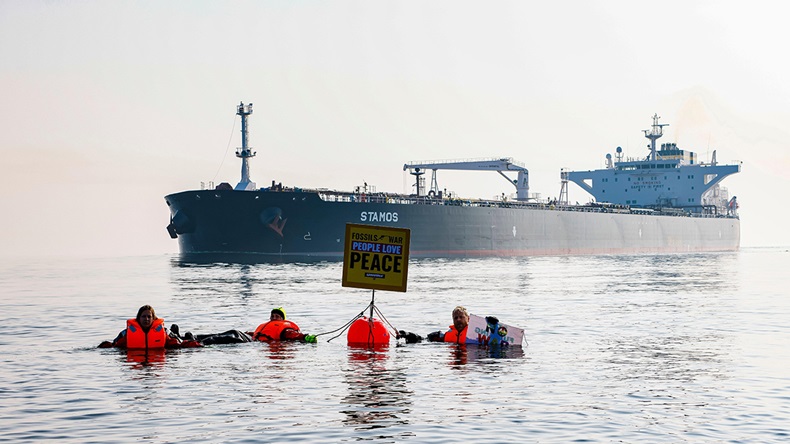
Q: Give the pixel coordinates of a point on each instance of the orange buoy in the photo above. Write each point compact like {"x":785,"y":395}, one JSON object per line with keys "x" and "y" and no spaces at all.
{"x":365,"y":332}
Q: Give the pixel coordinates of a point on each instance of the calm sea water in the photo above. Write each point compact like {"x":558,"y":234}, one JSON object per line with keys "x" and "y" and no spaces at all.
{"x":665,"y":348}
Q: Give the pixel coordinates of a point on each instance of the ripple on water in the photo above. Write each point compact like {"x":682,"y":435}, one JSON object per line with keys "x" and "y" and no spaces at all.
{"x":667,"y":348}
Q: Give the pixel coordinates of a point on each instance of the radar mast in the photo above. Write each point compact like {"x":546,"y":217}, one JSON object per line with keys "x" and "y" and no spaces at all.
{"x":654,"y":134}
{"x":245,"y":152}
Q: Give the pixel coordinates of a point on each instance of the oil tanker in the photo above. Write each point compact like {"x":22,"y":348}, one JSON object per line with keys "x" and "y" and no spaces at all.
{"x":665,"y":202}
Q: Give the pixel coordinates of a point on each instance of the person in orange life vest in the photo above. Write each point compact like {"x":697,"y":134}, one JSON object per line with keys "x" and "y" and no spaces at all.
{"x":457,"y":332}
{"x":279,"y":329}
{"x":145,"y":331}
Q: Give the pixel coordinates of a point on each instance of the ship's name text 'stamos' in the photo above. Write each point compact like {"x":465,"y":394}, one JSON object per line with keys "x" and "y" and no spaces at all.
{"x":380,"y":216}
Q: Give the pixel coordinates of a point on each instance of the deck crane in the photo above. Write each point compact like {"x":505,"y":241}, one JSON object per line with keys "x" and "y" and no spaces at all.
{"x":500,"y":165}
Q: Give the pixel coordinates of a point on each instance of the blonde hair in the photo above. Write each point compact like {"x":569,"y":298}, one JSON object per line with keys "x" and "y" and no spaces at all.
{"x":462,"y":310}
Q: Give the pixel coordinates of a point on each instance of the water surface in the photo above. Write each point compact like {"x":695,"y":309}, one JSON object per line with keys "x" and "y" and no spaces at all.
{"x":649,"y":348}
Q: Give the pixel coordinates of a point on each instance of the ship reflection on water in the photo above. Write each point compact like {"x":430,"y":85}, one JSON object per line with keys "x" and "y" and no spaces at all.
{"x":191,"y":259}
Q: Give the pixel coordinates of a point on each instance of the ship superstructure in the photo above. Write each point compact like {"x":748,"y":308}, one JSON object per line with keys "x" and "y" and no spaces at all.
{"x":668,"y":178}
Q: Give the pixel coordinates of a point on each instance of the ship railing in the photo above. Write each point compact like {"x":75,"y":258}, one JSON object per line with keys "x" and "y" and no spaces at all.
{"x":401,"y":199}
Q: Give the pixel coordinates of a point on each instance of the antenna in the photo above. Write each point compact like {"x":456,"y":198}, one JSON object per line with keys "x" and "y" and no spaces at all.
{"x":654,"y":134}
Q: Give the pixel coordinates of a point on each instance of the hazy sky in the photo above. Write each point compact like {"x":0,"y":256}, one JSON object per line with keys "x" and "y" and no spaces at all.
{"x":106,"y":107}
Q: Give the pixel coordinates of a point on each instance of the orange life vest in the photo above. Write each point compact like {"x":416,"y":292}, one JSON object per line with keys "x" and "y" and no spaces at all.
{"x":271,"y":331}
{"x":136,"y":338}
{"x":453,"y":336}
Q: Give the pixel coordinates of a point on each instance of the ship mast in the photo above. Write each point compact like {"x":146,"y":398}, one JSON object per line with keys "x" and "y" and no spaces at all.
{"x":245,"y":152}
{"x":654,"y":134}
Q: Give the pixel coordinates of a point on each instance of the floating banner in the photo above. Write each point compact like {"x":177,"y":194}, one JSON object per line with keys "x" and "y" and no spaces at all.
{"x":498,"y":334}
{"x":376,"y":257}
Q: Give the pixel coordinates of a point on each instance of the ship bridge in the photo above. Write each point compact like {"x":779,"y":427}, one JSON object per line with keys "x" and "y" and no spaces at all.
{"x":669,"y":177}
{"x":500,"y":165}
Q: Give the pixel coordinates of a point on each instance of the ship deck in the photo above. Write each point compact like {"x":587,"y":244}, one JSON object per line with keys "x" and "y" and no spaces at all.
{"x":593,"y":207}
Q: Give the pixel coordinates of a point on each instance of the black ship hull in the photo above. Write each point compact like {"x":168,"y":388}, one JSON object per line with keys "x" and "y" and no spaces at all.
{"x":312,"y":224}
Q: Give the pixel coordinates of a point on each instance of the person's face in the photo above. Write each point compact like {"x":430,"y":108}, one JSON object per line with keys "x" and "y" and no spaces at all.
{"x":460,"y":320}
{"x":276,"y":317}
{"x":146,"y":319}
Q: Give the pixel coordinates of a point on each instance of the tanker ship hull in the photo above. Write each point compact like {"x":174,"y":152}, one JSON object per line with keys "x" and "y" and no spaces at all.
{"x":305,"y":224}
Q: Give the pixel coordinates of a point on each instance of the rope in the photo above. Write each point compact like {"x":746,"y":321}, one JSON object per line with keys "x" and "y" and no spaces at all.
{"x":361,"y":314}
{"x":345,"y":327}
{"x":385,"y":320}
{"x":372,"y":307}
{"x":226,"y":151}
